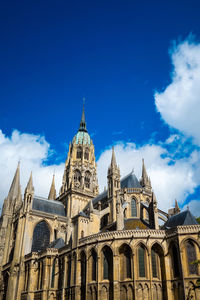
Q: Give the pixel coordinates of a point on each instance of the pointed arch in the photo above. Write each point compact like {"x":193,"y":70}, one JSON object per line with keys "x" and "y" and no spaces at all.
{"x":87,"y":179}
{"x":41,"y":236}
{"x":142,"y":261}
{"x":86,"y":154}
{"x":191,"y":257}
{"x":175,"y":259}
{"x":123,"y":292}
{"x":79,"y":153}
{"x":77,"y":177}
{"x":107,"y":267}
{"x":125,"y":253}
{"x":93,"y":265}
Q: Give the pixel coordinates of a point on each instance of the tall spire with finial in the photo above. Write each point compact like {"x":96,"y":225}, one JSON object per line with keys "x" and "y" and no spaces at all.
{"x":15,"y":189}
{"x":113,"y":159}
{"x":83,"y":123}
{"x":52,"y":192}
{"x":29,"y":187}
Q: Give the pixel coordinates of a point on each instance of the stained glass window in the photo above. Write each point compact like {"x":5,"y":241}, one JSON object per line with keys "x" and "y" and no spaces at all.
{"x":53,"y":273}
{"x":133,"y":208}
{"x":141,"y":255}
{"x":154,"y":263}
{"x":175,"y":261}
{"x":191,"y":254}
{"x":94,"y":265}
{"x":41,"y":236}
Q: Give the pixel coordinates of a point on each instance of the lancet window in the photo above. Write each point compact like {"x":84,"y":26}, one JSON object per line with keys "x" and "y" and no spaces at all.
{"x":79,"y":153}
{"x":191,"y":257}
{"x":87,"y":179}
{"x":133,"y":208}
{"x":86,"y":154}
{"x":141,"y":260}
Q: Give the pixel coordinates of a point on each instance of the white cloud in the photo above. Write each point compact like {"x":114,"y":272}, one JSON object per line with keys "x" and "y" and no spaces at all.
{"x":173,"y":173}
{"x":32,"y":151}
{"x":169,"y":181}
{"x":179,"y":103}
{"x":193,"y":207}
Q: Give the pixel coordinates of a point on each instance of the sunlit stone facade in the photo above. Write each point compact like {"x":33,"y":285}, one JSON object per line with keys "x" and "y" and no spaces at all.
{"x":85,"y":245}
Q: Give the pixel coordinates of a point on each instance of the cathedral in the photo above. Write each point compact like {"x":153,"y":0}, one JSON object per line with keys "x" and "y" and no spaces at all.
{"x":86,"y":245}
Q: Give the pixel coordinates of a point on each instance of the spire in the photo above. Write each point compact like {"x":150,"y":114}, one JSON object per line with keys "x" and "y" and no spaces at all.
{"x":113,"y":159}
{"x":145,"y":180}
{"x":177,"y":208}
{"x":29,"y":187}
{"x":83,"y":123}
{"x":144,"y":172}
{"x":52,"y":192}
{"x":15,"y":189}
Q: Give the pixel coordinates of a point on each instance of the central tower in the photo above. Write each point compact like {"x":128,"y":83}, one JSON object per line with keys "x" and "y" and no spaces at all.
{"x":79,"y":183}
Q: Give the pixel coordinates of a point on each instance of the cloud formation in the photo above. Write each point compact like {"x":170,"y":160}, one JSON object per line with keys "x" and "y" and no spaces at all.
{"x":169,"y":180}
{"x":173,"y":165}
{"x":179,"y":103}
{"x":32,"y":151}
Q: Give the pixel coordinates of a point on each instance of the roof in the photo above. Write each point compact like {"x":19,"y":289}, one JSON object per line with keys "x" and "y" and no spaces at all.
{"x":134,"y":223}
{"x":130,"y":181}
{"x":57,"y":244}
{"x":48,"y":206}
{"x":183,"y":218}
{"x":82,"y":137}
{"x":100,"y":197}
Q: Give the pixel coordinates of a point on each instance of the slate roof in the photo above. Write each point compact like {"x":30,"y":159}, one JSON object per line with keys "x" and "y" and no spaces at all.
{"x":57,"y":244}
{"x":48,"y":206}
{"x":130,"y":181}
{"x":183,"y":218}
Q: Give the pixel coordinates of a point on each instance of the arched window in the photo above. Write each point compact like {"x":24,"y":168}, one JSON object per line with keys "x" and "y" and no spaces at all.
{"x":191,"y":257}
{"x":53,"y":273}
{"x":86,"y":155}
{"x":133,"y":208}
{"x":69,"y":269}
{"x":107,"y":263}
{"x":74,"y":260}
{"x":175,"y":261}
{"x":41,"y":237}
{"x":77,"y":176}
{"x":61,"y":271}
{"x":87,"y":179}
{"x":94,"y":265}
{"x":141,"y":260}
{"x":83,"y":276}
{"x":154,"y":263}
{"x":125,"y":262}
{"x":79,"y":153}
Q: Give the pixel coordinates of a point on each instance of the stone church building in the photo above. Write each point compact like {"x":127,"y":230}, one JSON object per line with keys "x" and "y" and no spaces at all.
{"x":85,"y":245}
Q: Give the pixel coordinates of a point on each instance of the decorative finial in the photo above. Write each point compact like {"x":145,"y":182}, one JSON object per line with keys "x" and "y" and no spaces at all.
{"x":83,"y":123}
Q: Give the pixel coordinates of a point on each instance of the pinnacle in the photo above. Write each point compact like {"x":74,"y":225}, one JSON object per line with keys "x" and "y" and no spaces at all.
{"x":113,"y":159}
{"x":52,"y":192}
{"x":29,"y":186}
{"x":15,"y":188}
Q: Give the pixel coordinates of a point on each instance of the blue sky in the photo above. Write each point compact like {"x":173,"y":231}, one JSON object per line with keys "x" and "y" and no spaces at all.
{"x":116,"y":54}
